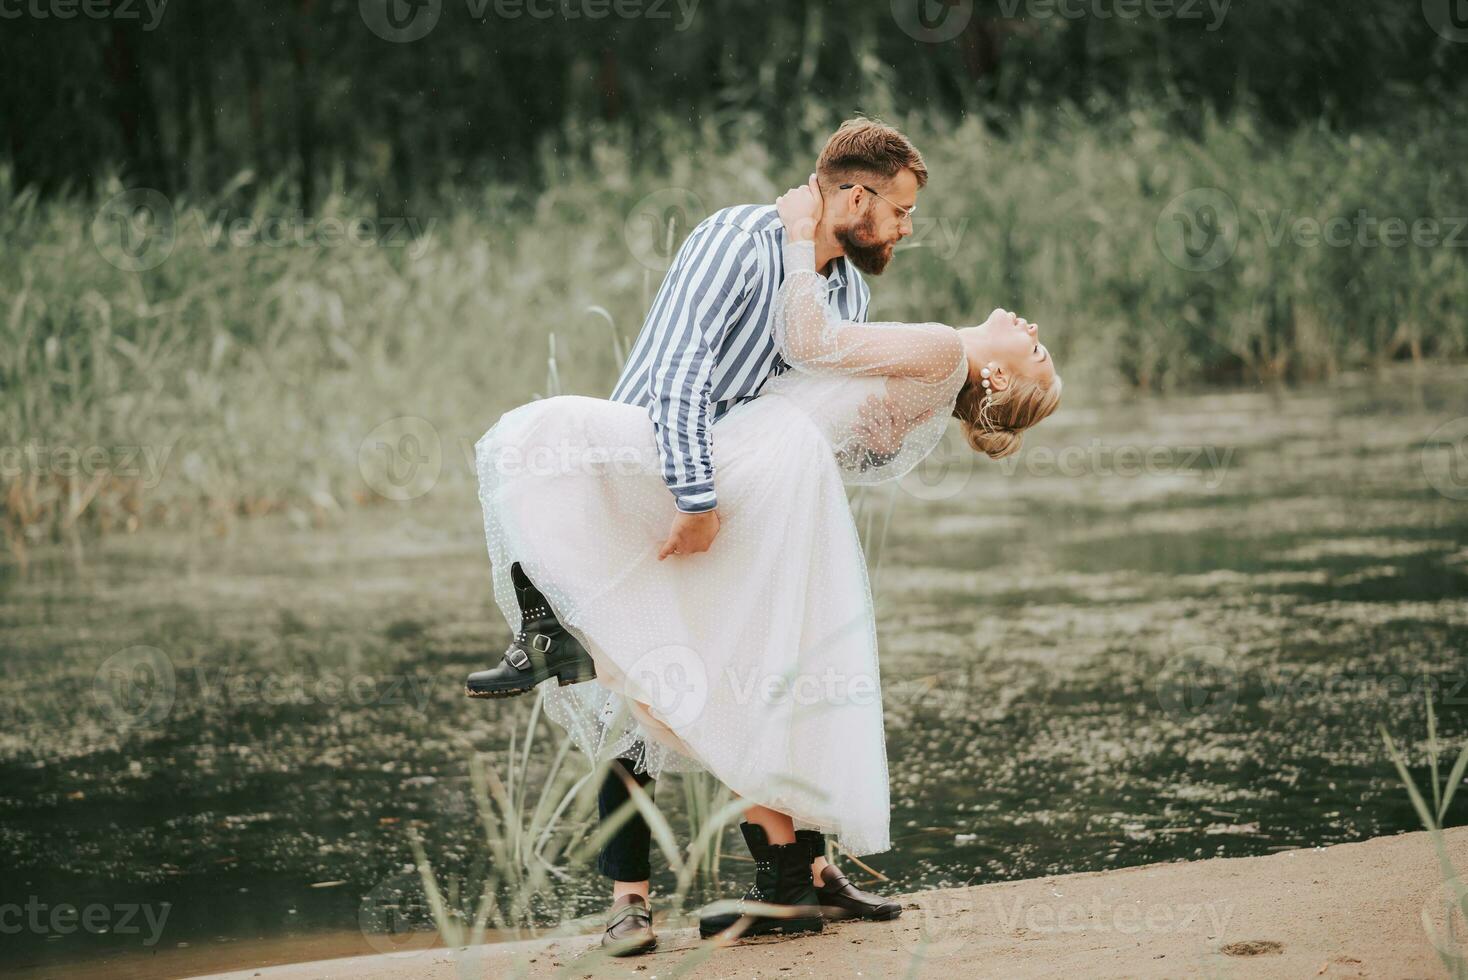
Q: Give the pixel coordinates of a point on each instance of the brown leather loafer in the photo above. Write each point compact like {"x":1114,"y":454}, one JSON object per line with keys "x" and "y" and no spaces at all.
{"x":839,"y":898}
{"x":629,"y":930}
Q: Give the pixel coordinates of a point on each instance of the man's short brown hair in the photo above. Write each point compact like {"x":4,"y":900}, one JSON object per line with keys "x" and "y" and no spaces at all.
{"x":865,"y":148}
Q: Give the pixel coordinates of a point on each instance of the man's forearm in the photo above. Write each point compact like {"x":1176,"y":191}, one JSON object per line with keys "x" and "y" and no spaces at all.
{"x":681,"y":420}
{"x":687,"y":462}
{"x":703,"y":293}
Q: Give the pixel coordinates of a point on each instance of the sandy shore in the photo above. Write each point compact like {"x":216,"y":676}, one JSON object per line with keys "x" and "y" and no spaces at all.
{"x":1353,"y":910}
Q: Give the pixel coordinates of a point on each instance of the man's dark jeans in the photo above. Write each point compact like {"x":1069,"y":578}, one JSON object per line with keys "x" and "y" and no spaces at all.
{"x":626,"y":855}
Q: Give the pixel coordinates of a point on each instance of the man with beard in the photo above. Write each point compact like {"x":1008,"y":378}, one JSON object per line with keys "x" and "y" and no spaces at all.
{"x":707,"y":345}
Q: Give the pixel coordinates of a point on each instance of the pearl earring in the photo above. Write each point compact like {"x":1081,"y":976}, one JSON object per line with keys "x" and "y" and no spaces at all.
{"x":984,"y":374}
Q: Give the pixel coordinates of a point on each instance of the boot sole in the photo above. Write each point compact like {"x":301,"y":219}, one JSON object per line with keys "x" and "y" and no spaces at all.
{"x":515,"y":692}
{"x":776,"y":927}
{"x":836,"y":913}
{"x":640,"y":949}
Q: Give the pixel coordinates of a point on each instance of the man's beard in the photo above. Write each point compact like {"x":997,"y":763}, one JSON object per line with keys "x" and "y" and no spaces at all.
{"x":862,"y":247}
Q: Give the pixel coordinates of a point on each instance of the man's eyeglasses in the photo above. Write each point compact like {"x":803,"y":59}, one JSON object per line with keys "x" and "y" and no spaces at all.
{"x":904,"y":212}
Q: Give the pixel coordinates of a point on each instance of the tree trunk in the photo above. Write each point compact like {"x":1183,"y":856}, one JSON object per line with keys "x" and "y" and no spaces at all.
{"x":183,"y":44}
{"x":609,"y":83}
{"x":1078,"y":58}
{"x":203,"y":62}
{"x":134,"y":109}
{"x":255,"y":109}
{"x":305,"y":100}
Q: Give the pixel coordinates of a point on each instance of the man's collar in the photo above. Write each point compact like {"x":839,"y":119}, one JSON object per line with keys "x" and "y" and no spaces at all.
{"x":838,"y":272}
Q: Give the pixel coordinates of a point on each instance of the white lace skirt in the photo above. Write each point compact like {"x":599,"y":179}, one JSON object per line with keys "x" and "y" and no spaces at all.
{"x":757,"y":660}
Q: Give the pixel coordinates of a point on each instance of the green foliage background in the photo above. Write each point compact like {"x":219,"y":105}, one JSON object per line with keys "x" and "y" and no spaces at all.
{"x":525,"y":156}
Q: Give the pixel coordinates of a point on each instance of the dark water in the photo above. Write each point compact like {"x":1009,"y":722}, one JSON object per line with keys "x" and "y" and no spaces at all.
{"x":1177,"y":641}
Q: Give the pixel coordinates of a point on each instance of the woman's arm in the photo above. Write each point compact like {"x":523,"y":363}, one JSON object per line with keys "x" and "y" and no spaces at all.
{"x":813,"y":338}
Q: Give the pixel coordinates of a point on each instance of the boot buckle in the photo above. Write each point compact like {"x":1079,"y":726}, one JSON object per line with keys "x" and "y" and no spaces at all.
{"x":541,"y":643}
{"x":517,"y":658}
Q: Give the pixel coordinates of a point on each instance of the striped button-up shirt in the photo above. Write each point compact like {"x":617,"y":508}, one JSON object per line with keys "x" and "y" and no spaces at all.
{"x":709,"y":342}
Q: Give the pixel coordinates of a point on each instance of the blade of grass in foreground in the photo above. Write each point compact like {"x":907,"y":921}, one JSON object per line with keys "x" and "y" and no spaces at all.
{"x":1448,"y":947}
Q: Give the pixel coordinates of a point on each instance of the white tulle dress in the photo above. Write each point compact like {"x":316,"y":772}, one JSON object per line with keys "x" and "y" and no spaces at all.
{"x":757,"y":660}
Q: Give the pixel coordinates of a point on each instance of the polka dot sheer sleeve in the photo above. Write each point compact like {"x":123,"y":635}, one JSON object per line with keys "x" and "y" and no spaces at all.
{"x":922,"y":367}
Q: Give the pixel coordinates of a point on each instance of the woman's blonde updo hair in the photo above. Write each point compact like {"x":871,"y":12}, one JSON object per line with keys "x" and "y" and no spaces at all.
{"x":994,"y":422}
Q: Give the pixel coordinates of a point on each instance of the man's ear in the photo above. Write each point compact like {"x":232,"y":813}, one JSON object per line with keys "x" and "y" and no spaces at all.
{"x":834,"y":201}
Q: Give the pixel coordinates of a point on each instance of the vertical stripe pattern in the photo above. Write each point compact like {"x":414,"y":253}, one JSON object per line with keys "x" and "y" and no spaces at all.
{"x":708,"y":343}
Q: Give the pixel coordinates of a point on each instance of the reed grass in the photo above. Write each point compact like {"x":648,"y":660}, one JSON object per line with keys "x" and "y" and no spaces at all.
{"x":537,"y":809}
{"x":257,"y":371}
{"x":1449,"y":942}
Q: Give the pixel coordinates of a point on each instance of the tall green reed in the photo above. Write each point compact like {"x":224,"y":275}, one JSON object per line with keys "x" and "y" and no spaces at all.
{"x":257,"y":370}
{"x":1449,"y":942}
{"x":537,"y":809}
{"x":538,"y":824}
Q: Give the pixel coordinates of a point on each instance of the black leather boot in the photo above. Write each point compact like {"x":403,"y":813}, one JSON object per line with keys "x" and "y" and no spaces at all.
{"x":839,"y":898}
{"x":541,"y":650}
{"x":781,"y":877}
